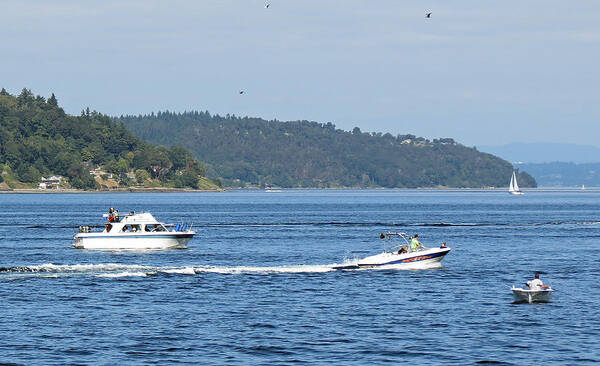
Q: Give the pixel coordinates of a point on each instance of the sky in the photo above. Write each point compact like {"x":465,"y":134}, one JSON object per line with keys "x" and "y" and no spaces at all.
{"x":482,"y":72}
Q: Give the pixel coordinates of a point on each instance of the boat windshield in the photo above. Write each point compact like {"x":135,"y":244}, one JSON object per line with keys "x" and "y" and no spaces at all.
{"x":154,"y":228}
{"x":396,"y":242}
{"x":134,"y":228}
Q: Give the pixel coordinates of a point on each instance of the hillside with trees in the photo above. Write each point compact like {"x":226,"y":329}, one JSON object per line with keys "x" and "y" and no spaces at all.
{"x":256,"y":152}
{"x":37,"y":138}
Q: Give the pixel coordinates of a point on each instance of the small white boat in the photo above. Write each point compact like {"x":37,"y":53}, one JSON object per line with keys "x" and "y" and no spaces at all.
{"x":513,"y":187}
{"x":135,"y":231}
{"x":400,"y":256}
{"x":527,"y":295}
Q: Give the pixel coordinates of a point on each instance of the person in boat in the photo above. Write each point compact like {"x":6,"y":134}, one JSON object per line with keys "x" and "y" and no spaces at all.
{"x":113,"y":215}
{"x":415,"y":244}
{"x":536,"y":284}
{"x":443,"y":245}
{"x":402,"y":250}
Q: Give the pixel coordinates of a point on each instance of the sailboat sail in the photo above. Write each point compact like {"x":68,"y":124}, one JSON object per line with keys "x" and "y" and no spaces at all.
{"x":511,"y":186}
{"x":515,"y":185}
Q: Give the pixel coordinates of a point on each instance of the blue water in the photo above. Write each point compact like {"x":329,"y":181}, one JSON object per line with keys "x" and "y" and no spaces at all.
{"x":256,"y":286}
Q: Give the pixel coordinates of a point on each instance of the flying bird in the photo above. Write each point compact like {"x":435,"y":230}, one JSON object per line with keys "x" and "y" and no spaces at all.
{"x":428,"y":15}
{"x":241,"y":92}
{"x":267,"y":6}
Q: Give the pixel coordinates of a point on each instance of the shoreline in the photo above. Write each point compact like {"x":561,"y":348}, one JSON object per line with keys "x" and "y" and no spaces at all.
{"x":121,"y":190}
{"x":187,"y":190}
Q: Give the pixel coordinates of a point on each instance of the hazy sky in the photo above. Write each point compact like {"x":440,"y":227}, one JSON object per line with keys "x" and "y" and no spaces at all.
{"x":482,"y":72}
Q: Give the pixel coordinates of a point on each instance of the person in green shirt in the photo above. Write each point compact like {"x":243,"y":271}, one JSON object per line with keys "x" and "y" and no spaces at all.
{"x":415,"y":244}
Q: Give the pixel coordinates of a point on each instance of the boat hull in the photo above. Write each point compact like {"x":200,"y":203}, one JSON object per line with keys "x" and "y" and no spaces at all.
{"x":430,"y":258}
{"x":530,"y":296}
{"x":133,"y":241}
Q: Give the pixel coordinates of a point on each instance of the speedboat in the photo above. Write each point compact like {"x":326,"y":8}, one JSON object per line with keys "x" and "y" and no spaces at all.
{"x":134,"y":231}
{"x":401,"y":256}
{"x":528,"y":295}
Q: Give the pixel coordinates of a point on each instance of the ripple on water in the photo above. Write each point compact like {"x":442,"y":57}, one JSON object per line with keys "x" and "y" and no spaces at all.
{"x":256,"y":284}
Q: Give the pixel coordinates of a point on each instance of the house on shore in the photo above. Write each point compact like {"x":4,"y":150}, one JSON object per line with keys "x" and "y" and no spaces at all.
{"x":50,"y":183}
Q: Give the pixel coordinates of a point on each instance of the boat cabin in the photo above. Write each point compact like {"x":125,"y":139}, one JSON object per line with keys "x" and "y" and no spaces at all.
{"x":133,"y":223}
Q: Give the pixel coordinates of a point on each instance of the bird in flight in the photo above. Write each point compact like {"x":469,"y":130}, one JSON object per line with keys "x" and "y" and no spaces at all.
{"x":428,"y":15}
{"x":241,"y":92}
{"x":267,"y":6}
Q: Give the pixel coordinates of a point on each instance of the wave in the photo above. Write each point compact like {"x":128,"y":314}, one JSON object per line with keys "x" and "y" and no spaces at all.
{"x":113,"y":270}
{"x":341,"y":223}
{"x":400,"y":224}
{"x":76,"y":268}
{"x":183,"y":270}
{"x":266,"y":270}
{"x":124,"y":274}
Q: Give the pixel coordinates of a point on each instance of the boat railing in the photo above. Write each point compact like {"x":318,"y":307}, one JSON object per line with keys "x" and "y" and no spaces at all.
{"x":404,"y":248}
{"x":394,"y":237}
{"x":182,"y":227}
{"x":85,"y":229}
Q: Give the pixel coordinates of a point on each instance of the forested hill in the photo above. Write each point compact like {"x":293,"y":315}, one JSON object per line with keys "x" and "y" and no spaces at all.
{"x":254,"y":151}
{"x":37,"y":138}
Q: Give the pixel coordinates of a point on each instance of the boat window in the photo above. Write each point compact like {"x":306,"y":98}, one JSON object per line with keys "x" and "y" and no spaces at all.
{"x":125,"y":228}
{"x":108,"y":227}
{"x":159,"y":227}
{"x":151,"y":227}
{"x":135,"y":228}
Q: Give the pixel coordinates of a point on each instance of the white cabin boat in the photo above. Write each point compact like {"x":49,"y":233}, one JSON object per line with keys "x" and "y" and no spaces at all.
{"x":513,"y":187}
{"x":401,"y":256}
{"x":135,"y":231}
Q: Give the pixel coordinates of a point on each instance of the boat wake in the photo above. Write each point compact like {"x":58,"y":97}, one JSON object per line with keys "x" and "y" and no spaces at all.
{"x":265,"y":270}
{"x":114,"y":270}
{"x":124,"y":274}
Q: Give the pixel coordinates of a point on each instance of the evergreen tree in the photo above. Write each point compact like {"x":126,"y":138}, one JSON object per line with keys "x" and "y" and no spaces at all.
{"x":26,"y":96}
{"x":52,"y":101}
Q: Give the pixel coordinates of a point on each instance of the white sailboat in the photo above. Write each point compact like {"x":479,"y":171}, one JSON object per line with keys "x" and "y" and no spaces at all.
{"x":513,"y":187}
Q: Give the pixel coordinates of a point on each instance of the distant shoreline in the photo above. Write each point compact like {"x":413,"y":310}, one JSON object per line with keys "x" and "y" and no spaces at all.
{"x":121,"y":190}
{"x":275,"y":190}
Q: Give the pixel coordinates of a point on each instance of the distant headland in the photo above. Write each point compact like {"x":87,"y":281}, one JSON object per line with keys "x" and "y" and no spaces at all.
{"x":44,"y":149}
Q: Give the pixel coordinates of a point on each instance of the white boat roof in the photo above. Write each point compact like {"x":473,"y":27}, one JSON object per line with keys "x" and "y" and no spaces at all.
{"x":138,"y":218}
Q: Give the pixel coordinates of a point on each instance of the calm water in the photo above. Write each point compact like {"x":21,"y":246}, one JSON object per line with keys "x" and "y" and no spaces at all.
{"x":256,"y":285}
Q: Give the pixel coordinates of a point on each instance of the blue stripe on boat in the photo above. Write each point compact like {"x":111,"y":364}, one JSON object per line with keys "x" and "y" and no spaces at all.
{"x":408,"y":260}
{"x":174,"y":235}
